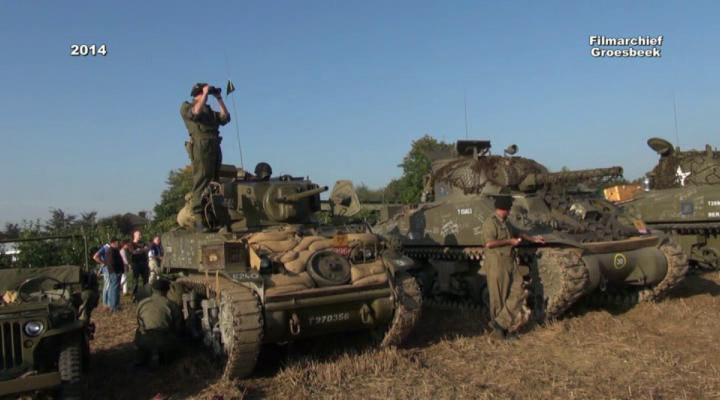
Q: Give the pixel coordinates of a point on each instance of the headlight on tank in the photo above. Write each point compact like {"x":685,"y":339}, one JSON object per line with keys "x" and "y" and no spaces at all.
{"x":34,"y":328}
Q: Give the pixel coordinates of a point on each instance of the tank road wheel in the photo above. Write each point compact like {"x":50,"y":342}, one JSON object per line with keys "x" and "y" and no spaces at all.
{"x":710,"y":259}
{"x":677,"y":262}
{"x":408,"y":306}
{"x":241,"y":327}
{"x":70,"y":366}
{"x":559,"y":281}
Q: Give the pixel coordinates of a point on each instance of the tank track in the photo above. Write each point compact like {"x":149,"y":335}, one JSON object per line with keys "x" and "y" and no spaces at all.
{"x":247,"y":326}
{"x":571,"y":279}
{"x":407,"y":313}
{"x":678,"y":267}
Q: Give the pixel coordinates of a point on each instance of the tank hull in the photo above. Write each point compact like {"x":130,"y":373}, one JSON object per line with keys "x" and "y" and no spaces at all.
{"x":689,"y":215}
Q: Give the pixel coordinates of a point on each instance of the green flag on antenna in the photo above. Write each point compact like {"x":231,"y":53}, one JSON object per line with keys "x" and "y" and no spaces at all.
{"x":230,"y":87}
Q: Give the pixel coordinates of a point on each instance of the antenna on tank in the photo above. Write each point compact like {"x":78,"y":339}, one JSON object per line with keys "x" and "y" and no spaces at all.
{"x":231,"y":88}
{"x":677,"y":137}
{"x":465,"y":101}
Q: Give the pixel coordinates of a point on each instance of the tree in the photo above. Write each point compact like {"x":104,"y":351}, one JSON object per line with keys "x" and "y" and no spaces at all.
{"x":59,"y":221}
{"x":415,"y":165}
{"x":172,"y":198}
{"x":12,"y":231}
{"x":366,"y":194}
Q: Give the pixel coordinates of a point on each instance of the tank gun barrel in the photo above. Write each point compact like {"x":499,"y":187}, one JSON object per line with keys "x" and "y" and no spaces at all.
{"x":570,"y":177}
{"x":301,"y":195}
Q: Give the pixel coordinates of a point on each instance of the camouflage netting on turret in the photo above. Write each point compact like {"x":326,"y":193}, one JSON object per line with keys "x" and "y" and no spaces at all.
{"x":472,"y":175}
{"x":697,"y":167}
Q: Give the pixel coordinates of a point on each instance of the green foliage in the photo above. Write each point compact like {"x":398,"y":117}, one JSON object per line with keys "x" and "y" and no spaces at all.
{"x":415,"y":165}
{"x":172,"y":199}
{"x":366,"y":194}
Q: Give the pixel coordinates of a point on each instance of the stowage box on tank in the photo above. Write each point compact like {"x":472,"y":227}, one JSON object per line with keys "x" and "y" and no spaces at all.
{"x":591,"y":247}
{"x":270,"y":273}
{"x":682,"y":199}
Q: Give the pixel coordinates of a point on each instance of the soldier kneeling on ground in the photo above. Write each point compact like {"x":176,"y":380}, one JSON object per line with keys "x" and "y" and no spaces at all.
{"x":160,"y":322}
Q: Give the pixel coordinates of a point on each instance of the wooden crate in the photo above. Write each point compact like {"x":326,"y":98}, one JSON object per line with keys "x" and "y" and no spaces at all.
{"x":622,"y":192}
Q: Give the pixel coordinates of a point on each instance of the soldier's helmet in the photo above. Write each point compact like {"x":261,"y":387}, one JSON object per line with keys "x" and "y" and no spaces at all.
{"x":263,"y":171}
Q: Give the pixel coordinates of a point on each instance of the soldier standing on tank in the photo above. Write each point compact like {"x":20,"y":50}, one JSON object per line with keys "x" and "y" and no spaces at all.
{"x":504,"y":279}
{"x":204,"y":146}
{"x":160,"y":322}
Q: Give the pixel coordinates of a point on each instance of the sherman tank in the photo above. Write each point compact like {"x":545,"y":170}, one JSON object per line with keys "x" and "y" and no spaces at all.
{"x":591,"y":247}
{"x":682,"y":199}
{"x":269,"y":273}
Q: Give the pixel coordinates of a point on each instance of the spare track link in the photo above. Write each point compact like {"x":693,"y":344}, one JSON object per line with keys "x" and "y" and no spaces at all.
{"x":573,"y":274}
{"x":678,"y":267}
{"x":574,"y":280}
{"x":247,"y":325}
{"x":409,"y":303}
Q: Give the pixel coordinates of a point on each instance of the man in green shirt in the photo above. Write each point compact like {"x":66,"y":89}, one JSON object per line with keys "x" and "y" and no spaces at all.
{"x":160,"y":323}
{"x":504,"y":280}
{"x":204,"y":146}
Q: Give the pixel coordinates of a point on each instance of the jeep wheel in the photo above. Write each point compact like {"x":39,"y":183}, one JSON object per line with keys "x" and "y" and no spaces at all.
{"x":70,"y":366}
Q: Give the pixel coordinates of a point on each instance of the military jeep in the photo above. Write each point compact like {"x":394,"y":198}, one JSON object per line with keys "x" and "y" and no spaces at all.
{"x":45,"y":329}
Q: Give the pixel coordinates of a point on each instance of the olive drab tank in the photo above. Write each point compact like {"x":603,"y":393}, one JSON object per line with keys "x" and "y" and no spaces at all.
{"x":268,"y":272}
{"x":591,"y":248}
{"x":682,"y":199}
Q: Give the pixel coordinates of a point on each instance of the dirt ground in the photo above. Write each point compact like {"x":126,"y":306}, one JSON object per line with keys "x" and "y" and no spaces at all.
{"x":653,"y":351}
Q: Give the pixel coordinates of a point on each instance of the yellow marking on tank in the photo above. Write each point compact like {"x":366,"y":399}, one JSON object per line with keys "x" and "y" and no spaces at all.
{"x":619,"y":261}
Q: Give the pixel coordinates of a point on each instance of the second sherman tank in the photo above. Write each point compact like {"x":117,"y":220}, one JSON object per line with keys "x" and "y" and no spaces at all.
{"x":682,"y":199}
{"x":270,"y":273}
{"x":591,"y":247}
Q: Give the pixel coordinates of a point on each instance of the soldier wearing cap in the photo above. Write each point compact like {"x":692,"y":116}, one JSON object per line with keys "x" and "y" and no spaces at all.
{"x":504,"y":279}
{"x":204,"y":146}
{"x":160,"y":322}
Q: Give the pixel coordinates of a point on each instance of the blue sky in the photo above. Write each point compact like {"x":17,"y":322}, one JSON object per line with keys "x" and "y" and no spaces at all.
{"x":336,"y":89}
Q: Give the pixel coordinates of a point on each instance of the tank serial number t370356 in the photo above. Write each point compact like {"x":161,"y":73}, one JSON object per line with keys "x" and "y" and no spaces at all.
{"x":270,"y":273}
{"x":591,"y":247}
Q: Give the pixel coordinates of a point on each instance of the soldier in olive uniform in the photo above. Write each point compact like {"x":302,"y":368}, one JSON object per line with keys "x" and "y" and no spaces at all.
{"x":204,"y":146}
{"x":504,"y":280}
{"x":160,"y":322}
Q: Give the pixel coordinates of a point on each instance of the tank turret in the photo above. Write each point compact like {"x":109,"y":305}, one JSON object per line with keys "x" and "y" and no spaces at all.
{"x":680,"y":168}
{"x":243,"y":202}
{"x":476,"y":172}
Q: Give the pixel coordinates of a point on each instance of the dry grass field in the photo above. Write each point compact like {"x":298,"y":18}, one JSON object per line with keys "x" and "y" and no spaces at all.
{"x":667,"y":350}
